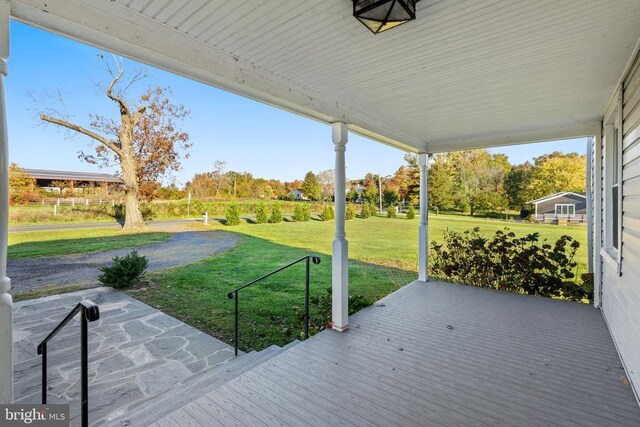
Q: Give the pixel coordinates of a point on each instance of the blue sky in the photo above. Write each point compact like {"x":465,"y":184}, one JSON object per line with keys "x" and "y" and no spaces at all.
{"x":248,"y":135}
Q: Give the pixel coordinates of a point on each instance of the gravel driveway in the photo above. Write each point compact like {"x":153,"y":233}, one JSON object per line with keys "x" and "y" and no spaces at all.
{"x":180,"y":249}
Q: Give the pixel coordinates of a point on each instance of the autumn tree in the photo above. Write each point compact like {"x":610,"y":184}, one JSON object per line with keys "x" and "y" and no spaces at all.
{"x":441,"y":184}
{"x":310,"y":187}
{"x":219,"y":177}
{"x":478,"y":180}
{"x":556,"y":172}
{"x":144,"y":140}
{"x":516,"y":182}
{"x":20,"y":185}
{"x":325,"y":180}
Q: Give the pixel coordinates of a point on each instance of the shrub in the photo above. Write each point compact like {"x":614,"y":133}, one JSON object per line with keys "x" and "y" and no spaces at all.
{"x":233,"y":214}
{"x":261,"y":213}
{"x":328,"y":213}
{"x":364,"y":212}
{"x":276,"y":214}
{"x":373,"y":209}
{"x":124,"y":272}
{"x":411,"y":212}
{"x":524,"y":213}
{"x":507,"y":262}
{"x":350,"y":213}
{"x":302,"y":212}
{"x":147,"y":210}
{"x":391,"y":211}
{"x":531,"y":218}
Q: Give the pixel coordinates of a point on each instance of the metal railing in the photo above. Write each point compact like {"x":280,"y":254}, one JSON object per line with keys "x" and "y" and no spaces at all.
{"x":234,"y":294}
{"x":89,"y":312}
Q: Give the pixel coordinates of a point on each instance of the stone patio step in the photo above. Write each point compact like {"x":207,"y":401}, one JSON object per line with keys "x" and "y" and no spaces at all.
{"x":156,"y":407}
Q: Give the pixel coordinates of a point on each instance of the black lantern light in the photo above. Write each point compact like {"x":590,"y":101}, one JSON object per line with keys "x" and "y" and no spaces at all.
{"x":381,"y":15}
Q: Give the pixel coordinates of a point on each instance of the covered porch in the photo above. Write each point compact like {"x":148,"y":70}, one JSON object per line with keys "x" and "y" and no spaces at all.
{"x":464,"y":75}
{"x":437,"y":354}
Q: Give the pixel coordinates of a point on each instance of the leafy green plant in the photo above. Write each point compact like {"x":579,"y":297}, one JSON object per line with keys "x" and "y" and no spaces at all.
{"x":233,"y":214}
{"x":373,"y":209}
{"x":364,"y":212}
{"x":411,"y":212}
{"x":391,"y":211}
{"x":511,"y":263}
{"x":261,"y":213}
{"x":302,"y":212}
{"x":125,"y":271}
{"x":276,"y":214}
{"x":350,"y":212}
{"x":328,"y":213}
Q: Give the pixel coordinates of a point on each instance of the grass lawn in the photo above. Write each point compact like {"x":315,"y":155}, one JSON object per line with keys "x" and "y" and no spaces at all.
{"x":29,"y":244}
{"x":383,"y":258}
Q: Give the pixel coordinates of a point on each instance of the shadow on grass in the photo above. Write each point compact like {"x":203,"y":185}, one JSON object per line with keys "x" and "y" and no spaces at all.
{"x":271,"y":312}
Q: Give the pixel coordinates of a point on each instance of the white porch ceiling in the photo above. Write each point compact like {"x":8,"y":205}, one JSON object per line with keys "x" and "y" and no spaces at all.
{"x":463,"y":74}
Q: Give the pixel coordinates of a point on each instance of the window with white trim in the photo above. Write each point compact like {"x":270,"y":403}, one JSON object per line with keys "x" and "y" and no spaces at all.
{"x":565,"y":209}
{"x":612,"y":188}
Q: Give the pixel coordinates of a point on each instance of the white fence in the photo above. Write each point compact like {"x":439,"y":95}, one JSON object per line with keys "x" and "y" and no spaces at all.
{"x":75,"y":201}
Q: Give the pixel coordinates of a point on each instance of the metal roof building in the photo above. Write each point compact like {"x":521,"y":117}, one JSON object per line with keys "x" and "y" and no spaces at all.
{"x":57,"y":175}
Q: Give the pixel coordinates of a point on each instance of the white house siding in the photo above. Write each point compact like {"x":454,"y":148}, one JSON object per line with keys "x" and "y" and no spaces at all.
{"x":621,"y":292}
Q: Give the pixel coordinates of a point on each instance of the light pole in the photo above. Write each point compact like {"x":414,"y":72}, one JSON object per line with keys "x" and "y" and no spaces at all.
{"x":380,"y":192}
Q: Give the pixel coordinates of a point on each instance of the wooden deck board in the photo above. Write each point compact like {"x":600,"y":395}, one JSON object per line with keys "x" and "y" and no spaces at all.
{"x":439,"y":354}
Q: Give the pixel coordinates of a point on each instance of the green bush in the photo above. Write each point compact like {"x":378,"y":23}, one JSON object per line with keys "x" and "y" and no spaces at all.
{"x":147,"y":210}
{"x":350,"y":213}
{"x":276,"y":214}
{"x":391,"y":211}
{"x":373,"y":209}
{"x":125,"y":271}
{"x":233,"y":214}
{"x":302,"y":212}
{"x":328,"y":213}
{"x":411,"y":212}
{"x":364,"y":212}
{"x":261,"y":213}
{"x":510,"y":263}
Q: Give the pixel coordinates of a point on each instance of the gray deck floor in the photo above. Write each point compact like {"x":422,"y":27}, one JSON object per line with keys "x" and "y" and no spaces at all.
{"x":437,"y":354}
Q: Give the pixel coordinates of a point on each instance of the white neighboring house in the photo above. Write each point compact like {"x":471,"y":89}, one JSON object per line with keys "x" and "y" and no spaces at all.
{"x":297,"y":194}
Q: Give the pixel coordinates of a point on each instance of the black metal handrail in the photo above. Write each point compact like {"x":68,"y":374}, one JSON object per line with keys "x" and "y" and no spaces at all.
{"x":234,"y":295}
{"x":89,"y":313}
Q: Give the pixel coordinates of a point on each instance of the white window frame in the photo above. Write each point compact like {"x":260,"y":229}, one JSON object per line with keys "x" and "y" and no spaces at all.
{"x":563,"y":205}
{"x":612,"y":182}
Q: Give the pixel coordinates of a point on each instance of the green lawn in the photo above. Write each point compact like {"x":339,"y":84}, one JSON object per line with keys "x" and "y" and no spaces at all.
{"x":383,"y":255}
{"x":30,"y":244}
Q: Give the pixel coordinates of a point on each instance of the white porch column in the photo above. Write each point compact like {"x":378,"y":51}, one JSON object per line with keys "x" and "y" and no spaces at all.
{"x":340,"y":247}
{"x":6,"y":303}
{"x":423,"y":229}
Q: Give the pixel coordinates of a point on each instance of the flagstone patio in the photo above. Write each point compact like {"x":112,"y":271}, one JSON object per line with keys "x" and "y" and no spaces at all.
{"x":135,"y":352}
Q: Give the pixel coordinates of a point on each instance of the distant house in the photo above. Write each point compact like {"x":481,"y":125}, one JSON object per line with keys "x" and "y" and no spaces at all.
{"x":560,"y":205}
{"x":297,"y":195}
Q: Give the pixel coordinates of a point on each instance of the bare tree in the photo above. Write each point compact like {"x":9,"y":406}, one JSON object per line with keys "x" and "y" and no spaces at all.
{"x":145,"y":141}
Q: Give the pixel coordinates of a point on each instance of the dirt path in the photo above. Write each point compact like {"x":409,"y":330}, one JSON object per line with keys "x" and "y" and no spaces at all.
{"x":180,"y":249}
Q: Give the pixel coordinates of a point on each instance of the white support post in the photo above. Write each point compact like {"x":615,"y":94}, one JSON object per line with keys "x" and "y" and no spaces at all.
{"x":597,"y":220}
{"x":6,"y":302}
{"x":590,"y":143}
{"x":340,"y":246}
{"x":423,"y":229}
